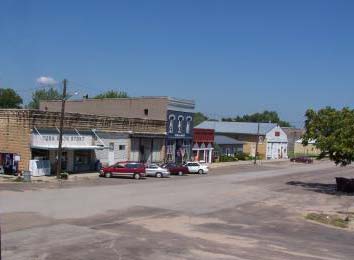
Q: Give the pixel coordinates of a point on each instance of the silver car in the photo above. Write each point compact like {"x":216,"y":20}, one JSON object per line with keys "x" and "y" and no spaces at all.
{"x":153,"y":170}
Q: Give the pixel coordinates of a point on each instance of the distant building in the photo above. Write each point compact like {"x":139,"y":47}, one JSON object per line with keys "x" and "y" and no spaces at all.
{"x":293,"y":135}
{"x":177,"y":113}
{"x":203,"y":145}
{"x":308,"y":150}
{"x":228,"y":146}
{"x":272,"y":142}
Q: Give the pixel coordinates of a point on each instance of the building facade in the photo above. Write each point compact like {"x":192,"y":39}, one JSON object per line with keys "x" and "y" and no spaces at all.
{"x":176,"y":113}
{"x":203,"y":145}
{"x":32,"y":135}
{"x":228,"y":146}
{"x":306,"y":150}
{"x":267,"y":137}
{"x":293,"y":135}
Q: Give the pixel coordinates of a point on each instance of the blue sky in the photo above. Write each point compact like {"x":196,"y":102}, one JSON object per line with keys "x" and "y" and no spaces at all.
{"x":232,"y":57}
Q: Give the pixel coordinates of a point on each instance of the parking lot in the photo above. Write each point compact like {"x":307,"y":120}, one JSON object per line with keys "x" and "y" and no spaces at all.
{"x":235,"y":212}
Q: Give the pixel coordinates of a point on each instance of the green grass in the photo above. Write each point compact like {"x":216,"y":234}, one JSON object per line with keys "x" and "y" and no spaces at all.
{"x":333,"y":220}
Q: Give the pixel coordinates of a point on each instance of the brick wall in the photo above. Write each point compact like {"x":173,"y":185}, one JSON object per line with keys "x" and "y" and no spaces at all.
{"x":15,"y":134}
{"x":16,"y":126}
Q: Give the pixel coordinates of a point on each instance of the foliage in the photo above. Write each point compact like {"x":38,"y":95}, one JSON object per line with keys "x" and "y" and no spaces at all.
{"x":242,"y":156}
{"x":264,"y":117}
{"x":199,"y":118}
{"x":64,"y":176}
{"x":239,"y":156}
{"x":333,"y":220}
{"x":43,"y":94}
{"x":9,"y":98}
{"x":226,"y":158}
{"x":333,"y":131}
{"x":112,"y":94}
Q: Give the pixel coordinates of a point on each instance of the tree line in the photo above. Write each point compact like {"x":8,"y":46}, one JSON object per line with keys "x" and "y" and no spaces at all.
{"x":9,"y":98}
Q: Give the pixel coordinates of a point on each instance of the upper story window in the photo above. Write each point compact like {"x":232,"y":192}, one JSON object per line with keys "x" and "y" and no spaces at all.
{"x":146,"y":112}
{"x":277,"y":133}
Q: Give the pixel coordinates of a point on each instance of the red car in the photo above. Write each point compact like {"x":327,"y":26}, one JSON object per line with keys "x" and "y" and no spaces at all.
{"x":302,"y":159}
{"x":175,"y":168}
{"x":135,"y":170}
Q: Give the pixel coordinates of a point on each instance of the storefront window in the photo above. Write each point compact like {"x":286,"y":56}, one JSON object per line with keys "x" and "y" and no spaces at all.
{"x":82,"y":157}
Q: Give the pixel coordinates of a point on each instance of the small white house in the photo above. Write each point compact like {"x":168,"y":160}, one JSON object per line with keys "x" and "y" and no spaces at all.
{"x":277,"y":144}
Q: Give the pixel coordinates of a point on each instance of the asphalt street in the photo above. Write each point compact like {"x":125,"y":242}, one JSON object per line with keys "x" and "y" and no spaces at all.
{"x":248,"y":212}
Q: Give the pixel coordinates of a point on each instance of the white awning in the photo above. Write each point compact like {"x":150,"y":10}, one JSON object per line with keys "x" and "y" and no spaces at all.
{"x":55,"y":147}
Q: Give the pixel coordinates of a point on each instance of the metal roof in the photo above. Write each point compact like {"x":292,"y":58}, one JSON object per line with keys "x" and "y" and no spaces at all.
{"x":237,"y":127}
{"x":221,"y":139}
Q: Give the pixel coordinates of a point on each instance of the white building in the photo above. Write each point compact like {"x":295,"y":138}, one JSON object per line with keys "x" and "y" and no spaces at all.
{"x":277,"y":144}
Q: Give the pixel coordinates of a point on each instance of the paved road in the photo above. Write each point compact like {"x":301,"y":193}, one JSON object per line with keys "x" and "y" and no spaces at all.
{"x":251,"y":213}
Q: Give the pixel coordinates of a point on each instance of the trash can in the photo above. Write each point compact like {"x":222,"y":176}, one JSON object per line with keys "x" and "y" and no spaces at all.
{"x":26,"y":176}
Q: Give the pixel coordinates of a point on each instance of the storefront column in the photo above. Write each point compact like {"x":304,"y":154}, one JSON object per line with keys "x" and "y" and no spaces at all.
{"x":210,"y":155}
{"x":70,"y":160}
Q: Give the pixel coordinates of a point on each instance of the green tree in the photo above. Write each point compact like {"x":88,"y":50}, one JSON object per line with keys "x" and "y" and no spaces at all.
{"x":9,"y":98}
{"x":199,"y":118}
{"x":264,"y":117}
{"x":43,"y":94}
{"x":112,"y":94}
{"x":333,"y":132}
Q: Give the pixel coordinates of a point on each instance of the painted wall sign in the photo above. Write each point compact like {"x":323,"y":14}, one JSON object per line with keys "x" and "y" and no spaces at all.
{"x":179,"y":124}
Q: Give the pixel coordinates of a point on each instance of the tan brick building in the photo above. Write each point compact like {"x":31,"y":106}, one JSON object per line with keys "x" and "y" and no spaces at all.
{"x":30,"y":134}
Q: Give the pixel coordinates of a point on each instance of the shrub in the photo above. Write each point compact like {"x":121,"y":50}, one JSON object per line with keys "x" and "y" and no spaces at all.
{"x":64,"y":176}
{"x":241,"y":156}
{"x":226,"y":158}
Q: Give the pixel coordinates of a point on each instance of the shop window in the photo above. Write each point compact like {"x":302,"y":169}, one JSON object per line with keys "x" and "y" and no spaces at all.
{"x":82,"y":157}
{"x":121,"y":147}
{"x":111,"y":146}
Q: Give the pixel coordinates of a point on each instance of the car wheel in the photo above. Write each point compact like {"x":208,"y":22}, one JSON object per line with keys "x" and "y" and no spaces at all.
{"x":180,"y":173}
{"x":108,"y":175}
{"x":136,"y":176}
{"x":200,"y":171}
{"x":158,"y":175}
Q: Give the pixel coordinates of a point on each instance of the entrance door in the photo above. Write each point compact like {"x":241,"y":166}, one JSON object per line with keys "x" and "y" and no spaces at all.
{"x":111,"y":154}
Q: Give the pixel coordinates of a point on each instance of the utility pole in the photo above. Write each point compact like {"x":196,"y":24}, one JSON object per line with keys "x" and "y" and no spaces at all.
{"x":255,"y":156}
{"x":61,"y":128}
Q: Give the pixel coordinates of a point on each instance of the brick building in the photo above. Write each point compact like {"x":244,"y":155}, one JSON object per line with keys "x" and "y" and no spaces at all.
{"x":177,"y":113}
{"x":32,"y":134}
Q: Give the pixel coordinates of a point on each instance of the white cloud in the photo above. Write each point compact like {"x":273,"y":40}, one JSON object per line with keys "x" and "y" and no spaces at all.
{"x":46,"y":81}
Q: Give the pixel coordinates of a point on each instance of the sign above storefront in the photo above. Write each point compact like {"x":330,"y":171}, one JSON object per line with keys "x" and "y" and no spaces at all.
{"x":51,"y":141}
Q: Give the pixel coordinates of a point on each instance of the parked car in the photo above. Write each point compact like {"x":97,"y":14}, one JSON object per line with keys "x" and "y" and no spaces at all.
{"x":154,"y":170}
{"x":175,"y":168}
{"x":135,"y":170}
{"x":196,"y":167}
{"x":302,"y":159}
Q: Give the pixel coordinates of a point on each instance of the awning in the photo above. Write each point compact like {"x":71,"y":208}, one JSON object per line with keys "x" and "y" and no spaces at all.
{"x":54,"y":147}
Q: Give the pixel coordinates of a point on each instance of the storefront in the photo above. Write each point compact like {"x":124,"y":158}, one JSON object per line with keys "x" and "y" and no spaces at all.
{"x":9,"y":163}
{"x":147,"y":148}
{"x":179,"y":136}
{"x":78,"y":150}
{"x":203,"y":145}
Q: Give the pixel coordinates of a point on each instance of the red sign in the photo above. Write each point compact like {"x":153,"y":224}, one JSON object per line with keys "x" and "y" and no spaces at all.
{"x":203,"y":135}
